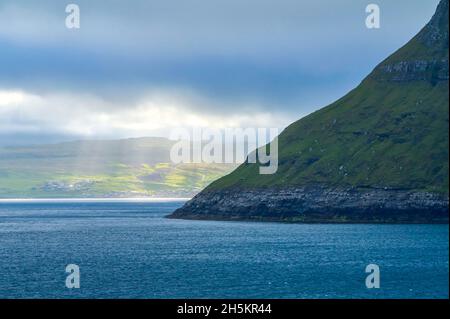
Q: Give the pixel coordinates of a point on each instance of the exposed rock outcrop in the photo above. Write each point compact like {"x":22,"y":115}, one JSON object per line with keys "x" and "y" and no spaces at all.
{"x":318,"y":204}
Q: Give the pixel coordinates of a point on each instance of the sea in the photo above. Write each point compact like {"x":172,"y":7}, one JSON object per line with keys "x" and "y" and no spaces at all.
{"x":127,"y":248}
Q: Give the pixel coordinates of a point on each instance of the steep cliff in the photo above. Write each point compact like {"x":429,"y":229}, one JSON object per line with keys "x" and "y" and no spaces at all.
{"x":379,"y":154}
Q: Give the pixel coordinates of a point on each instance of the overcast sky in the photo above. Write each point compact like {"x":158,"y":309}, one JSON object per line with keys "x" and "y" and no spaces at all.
{"x":141,"y":68}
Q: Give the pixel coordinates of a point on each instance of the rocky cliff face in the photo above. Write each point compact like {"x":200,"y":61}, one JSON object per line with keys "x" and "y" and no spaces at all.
{"x":435,"y":33}
{"x":318,"y":204}
{"x":418,"y":70}
{"x":424,"y":58}
{"x":379,"y":154}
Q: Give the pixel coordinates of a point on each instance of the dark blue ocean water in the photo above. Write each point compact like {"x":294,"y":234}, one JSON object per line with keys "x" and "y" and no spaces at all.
{"x":128,"y":250}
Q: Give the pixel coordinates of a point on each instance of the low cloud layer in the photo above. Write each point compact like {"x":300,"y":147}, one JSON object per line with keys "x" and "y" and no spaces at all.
{"x":90,"y":117}
{"x":139,"y":68}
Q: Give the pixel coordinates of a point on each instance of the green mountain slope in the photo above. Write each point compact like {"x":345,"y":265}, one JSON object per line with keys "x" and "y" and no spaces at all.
{"x":390,"y":133}
{"x":115,"y":168}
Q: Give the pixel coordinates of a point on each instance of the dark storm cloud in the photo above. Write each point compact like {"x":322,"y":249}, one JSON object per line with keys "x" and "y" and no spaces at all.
{"x":288,"y":56}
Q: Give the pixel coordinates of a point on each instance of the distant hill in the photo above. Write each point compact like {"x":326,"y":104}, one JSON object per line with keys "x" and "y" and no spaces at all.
{"x":379,"y":154}
{"x":104,"y":168}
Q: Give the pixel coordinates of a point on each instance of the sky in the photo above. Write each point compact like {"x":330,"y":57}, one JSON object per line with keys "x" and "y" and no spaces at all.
{"x":142,"y":68}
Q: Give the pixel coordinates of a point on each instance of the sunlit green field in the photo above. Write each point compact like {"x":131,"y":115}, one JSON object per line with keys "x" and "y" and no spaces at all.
{"x":128,"y":168}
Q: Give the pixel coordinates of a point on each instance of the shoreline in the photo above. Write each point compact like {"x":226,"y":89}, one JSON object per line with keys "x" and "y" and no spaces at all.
{"x":318,"y":204}
{"x":100,"y":199}
{"x":260,"y":219}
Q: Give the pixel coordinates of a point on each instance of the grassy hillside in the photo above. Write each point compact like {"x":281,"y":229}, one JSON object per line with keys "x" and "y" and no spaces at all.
{"x":117,"y":168}
{"x":389,"y":132}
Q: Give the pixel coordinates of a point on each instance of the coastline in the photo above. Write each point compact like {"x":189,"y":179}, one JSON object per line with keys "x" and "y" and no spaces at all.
{"x":318,"y":221}
{"x":78,"y":200}
{"x":318,"y":204}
